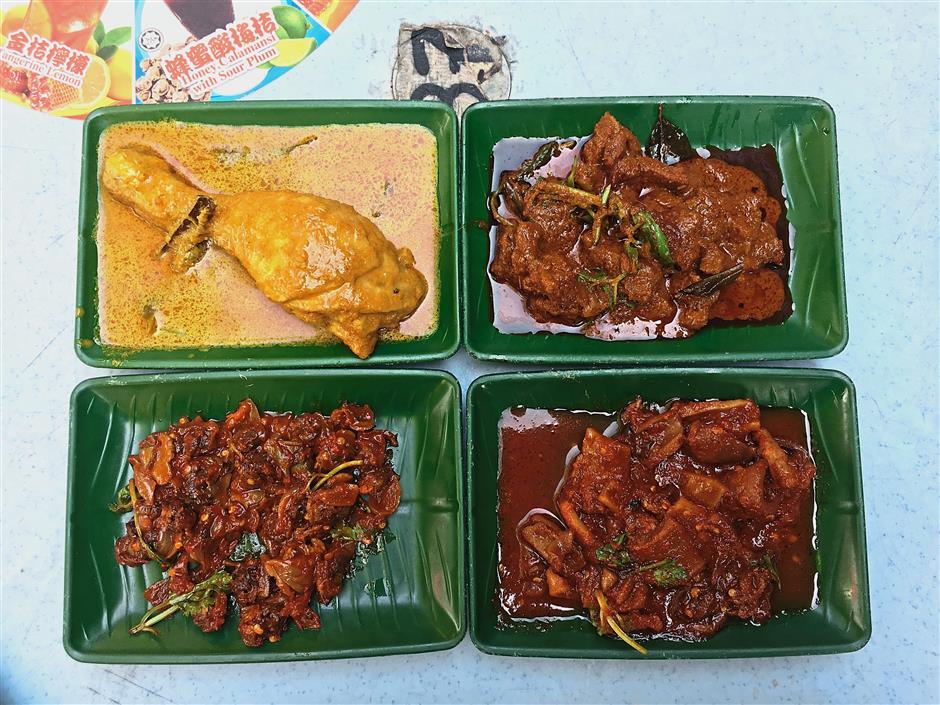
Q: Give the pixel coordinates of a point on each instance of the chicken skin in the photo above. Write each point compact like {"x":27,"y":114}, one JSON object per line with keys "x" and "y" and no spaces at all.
{"x":320,"y":259}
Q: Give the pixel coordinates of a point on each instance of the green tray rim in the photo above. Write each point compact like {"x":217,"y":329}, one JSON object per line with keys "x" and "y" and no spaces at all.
{"x":498,"y":353}
{"x":259,"y":655}
{"x":573,"y":375}
{"x":254,"y":356}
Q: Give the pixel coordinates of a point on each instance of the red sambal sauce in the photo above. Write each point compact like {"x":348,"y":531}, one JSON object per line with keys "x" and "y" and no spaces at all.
{"x":770,"y":542}
{"x":268,"y":509}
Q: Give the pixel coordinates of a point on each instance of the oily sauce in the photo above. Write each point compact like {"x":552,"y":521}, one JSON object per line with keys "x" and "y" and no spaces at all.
{"x":536,"y":448}
{"x":796,"y":564}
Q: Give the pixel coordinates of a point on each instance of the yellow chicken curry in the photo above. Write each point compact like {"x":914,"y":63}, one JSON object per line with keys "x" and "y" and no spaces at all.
{"x":217,"y":235}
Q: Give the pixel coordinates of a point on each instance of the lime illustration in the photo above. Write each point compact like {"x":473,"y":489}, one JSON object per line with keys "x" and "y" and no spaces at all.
{"x":292,"y":20}
{"x":293,"y":51}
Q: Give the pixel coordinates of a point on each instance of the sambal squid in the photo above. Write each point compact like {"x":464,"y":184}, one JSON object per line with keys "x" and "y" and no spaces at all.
{"x":268,"y":509}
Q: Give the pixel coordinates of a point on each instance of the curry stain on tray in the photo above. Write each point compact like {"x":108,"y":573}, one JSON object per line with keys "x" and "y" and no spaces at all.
{"x":388,"y":173}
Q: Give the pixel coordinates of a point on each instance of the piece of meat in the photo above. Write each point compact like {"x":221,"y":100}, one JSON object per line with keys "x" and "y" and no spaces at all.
{"x":702,"y":489}
{"x":384,"y":500}
{"x":783,"y":472}
{"x":776,"y":459}
{"x":747,"y":487}
{"x":554,"y":544}
{"x":639,"y":173}
{"x":574,"y":522}
{"x":670,"y":541}
{"x":128,"y":550}
{"x":692,"y":409}
{"x":752,"y":296}
{"x":158,"y":592}
{"x":559,"y":586}
{"x":261,"y":622}
{"x":250,"y":582}
{"x":602,"y":464}
{"x":330,"y":570}
{"x":610,"y":143}
{"x":337,"y":495}
{"x":712,"y":444}
{"x":646,"y":289}
{"x":547,"y":276}
{"x":663,"y":435}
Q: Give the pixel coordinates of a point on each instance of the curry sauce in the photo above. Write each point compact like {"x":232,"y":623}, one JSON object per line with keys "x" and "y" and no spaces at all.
{"x":388,"y":173}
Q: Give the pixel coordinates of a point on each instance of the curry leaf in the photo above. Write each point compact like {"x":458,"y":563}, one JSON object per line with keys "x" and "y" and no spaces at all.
{"x":669,"y":574}
{"x":348,"y":533}
{"x":708,"y":285}
{"x":666,"y":573}
{"x":249,"y":545}
{"x":611,"y":555}
{"x":543,"y":155}
{"x":668,"y":143}
{"x":768,"y":563}
{"x":632,"y":253}
{"x":197,"y":600}
{"x":594,"y":277}
{"x":123,"y":502}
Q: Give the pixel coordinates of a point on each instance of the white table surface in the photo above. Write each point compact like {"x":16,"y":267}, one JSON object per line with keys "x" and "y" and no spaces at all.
{"x":876,"y":64}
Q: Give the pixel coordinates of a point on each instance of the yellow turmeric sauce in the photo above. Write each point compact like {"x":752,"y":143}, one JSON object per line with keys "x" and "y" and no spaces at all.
{"x":388,"y":173}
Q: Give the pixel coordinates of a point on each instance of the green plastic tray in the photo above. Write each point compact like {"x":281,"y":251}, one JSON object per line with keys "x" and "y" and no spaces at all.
{"x":420,"y":605}
{"x":803,"y":132}
{"x":840,"y":622}
{"x":442,"y":343}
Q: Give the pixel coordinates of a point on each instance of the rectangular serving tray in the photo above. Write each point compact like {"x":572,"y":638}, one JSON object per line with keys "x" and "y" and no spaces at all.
{"x":408,"y":598}
{"x":803,"y":132}
{"x":440,"y":344}
{"x":840,"y":622}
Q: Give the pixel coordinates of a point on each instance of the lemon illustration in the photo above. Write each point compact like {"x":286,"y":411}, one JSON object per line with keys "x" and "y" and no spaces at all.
{"x":95,"y":84}
{"x":293,"y":51}
{"x":292,"y":20}
{"x":122,"y":75}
